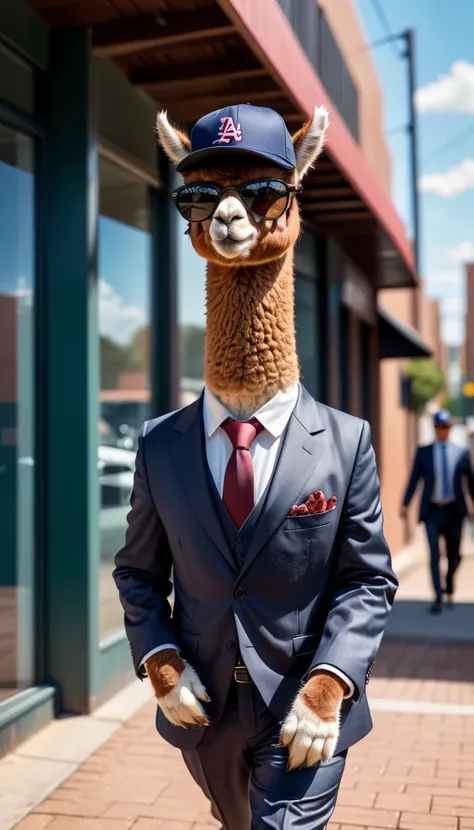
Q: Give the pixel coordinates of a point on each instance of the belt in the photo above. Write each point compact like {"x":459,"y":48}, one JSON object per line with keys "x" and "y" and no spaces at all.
{"x":241,"y":674}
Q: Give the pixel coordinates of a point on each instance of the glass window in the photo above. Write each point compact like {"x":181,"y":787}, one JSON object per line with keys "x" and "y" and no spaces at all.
{"x":17,"y":453}
{"x":124,"y":273}
{"x":192,"y":316}
{"x":308,"y":341}
{"x":16,"y":81}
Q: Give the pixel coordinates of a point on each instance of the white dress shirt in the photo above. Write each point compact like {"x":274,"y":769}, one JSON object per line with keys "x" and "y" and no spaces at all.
{"x":274,"y":417}
{"x":452,"y":453}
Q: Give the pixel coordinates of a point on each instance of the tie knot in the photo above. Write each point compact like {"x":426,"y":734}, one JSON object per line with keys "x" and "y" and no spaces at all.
{"x":242,"y":434}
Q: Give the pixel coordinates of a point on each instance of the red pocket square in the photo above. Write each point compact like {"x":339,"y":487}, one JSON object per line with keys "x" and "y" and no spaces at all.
{"x":315,"y":503}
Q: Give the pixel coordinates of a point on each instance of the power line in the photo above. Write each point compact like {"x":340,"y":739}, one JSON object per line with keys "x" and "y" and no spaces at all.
{"x":452,"y":142}
{"x":383,"y":20}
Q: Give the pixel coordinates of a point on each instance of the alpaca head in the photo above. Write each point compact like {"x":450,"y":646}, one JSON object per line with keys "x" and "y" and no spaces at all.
{"x":242,"y":229}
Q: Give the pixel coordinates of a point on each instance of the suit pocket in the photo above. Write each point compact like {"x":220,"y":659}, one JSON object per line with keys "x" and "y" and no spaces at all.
{"x":305,"y":644}
{"x":310,"y":521}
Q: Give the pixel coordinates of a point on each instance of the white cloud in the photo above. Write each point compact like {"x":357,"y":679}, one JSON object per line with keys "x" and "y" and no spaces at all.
{"x":464,"y":252}
{"x":444,"y":279}
{"x":453,"y":306}
{"x":449,"y":93}
{"x":453,"y":181}
{"x":117,"y":320}
{"x":452,"y":331}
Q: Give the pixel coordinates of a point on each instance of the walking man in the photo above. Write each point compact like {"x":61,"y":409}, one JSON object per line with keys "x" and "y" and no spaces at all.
{"x":444,"y":467}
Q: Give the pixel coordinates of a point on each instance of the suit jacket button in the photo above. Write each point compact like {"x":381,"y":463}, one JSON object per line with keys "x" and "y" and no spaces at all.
{"x":239,"y":593}
{"x":230,"y":645}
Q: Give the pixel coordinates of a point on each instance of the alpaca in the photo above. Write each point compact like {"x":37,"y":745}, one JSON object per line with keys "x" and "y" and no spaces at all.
{"x":250,"y":354}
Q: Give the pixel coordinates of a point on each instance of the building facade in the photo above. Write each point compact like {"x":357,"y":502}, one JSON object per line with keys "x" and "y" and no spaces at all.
{"x":102,"y":298}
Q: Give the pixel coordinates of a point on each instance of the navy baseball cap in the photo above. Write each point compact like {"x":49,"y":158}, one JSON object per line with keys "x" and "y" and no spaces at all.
{"x":442,"y":419}
{"x":242,"y":129}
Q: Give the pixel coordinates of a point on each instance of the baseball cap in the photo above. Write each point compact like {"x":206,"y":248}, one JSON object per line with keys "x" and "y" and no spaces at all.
{"x":242,"y":129}
{"x":442,"y":419}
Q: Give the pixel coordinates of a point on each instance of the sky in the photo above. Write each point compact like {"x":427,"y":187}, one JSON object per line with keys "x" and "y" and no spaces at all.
{"x":445,"y":109}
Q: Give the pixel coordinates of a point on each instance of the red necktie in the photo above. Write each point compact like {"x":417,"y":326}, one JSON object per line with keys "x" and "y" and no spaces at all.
{"x":238,"y":495}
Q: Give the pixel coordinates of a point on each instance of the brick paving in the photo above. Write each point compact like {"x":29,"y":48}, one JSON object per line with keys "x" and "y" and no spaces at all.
{"x":414,"y":771}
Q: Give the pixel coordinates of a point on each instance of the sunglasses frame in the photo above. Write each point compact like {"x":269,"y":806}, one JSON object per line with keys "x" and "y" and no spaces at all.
{"x":291,"y":191}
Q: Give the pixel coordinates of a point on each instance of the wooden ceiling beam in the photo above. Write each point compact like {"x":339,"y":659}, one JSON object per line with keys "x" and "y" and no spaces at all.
{"x":327,"y":191}
{"x":187,"y":110}
{"x":136,"y":34}
{"x":158,"y":78}
{"x":325,"y":178}
{"x":349,"y":216}
{"x":325,"y":206}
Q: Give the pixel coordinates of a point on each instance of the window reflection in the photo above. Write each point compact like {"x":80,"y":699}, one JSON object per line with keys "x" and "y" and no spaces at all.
{"x":17,"y":454}
{"x":124,"y":326}
{"x":192,"y":316}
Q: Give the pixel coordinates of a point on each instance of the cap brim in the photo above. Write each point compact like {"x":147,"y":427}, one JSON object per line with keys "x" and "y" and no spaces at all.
{"x":212,"y":154}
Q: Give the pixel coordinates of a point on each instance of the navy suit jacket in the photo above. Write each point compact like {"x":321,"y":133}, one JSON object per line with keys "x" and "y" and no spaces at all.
{"x":423,"y":468}
{"x":312,"y":589}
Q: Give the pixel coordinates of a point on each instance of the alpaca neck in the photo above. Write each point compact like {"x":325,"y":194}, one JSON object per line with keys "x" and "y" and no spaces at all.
{"x":250,"y":334}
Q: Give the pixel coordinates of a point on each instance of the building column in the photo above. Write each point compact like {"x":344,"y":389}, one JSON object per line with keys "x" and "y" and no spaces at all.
{"x":333,"y":324}
{"x":72,"y":372}
{"x":374,"y":400}
{"x":354,"y":358}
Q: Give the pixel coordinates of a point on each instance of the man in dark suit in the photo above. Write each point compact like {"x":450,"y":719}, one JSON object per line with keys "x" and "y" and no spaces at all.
{"x":444,"y":468}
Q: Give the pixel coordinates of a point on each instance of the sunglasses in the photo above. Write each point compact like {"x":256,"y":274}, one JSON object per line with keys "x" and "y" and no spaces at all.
{"x":265,"y":198}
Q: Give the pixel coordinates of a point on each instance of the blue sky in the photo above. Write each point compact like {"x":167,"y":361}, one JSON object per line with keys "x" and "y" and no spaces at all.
{"x":445,"y":107}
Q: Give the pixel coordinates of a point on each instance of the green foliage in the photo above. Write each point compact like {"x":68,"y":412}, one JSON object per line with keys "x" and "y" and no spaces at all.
{"x":426,"y":381}
{"x":454,"y":406}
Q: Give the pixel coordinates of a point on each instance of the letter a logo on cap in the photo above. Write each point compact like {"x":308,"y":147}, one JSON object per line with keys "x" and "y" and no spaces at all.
{"x":228,"y":131}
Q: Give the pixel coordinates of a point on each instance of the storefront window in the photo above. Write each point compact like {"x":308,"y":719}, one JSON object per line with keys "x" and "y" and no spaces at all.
{"x":192,"y":316}
{"x":308,"y":339}
{"x":124,"y":273}
{"x":17,"y":452}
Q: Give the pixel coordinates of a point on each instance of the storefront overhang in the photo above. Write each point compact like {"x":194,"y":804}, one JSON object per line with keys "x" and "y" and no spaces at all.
{"x":193,"y":57}
{"x":397,"y":340}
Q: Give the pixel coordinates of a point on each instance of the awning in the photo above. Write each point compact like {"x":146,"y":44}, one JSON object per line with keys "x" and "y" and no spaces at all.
{"x":396,"y":339}
{"x":195,"y":56}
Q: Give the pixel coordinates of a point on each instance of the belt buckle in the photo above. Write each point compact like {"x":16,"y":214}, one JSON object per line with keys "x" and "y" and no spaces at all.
{"x":241,"y":675}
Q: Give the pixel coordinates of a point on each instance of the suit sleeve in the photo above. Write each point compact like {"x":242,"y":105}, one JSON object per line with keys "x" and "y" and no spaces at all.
{"x":364,"y":582}
{"x":143,"y":569}
{"x":414,"y":479}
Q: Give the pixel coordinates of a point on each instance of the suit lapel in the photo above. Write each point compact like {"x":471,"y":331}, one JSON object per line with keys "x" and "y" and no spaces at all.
{"x":189,"y":455}
{"x":301,"y":449}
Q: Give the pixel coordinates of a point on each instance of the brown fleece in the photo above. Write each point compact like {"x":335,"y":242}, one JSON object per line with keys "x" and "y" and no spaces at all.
{"x":164,"y":670}
{"x":250,"y":350}
{"x":323,"y":695}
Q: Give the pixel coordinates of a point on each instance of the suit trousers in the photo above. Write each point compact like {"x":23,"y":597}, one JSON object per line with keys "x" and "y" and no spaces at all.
{"x":446,"y":522}
{"x":243,"y":772}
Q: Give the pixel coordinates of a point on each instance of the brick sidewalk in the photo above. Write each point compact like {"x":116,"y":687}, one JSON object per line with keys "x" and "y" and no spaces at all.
{"x":414,"y":771}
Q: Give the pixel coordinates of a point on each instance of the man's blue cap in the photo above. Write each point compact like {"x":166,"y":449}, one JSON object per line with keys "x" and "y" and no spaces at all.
{"x":442,"y":419}
{"x":242,"y":129}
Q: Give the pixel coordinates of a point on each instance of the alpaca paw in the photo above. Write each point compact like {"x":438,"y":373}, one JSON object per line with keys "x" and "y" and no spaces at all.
{"x":310,"y":740}
{"x":181,"y":706}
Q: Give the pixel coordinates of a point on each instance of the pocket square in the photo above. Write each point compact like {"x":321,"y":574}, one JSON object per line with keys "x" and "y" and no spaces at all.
{"x":315,"y":503}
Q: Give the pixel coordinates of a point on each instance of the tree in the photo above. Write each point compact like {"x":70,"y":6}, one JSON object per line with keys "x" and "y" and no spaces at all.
{"x":426,"y":381}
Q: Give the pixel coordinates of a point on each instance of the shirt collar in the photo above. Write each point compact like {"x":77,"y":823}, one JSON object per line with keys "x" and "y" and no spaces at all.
{"x":273,"y":415}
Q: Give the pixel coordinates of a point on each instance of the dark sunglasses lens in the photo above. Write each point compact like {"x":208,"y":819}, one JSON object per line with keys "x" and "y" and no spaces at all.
{"x":196,"y":202}
{"x":268,"y":198}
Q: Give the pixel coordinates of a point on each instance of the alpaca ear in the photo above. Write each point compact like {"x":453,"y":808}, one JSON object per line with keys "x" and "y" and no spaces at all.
{"x":309,"y":141}
{"x":175,"y":143}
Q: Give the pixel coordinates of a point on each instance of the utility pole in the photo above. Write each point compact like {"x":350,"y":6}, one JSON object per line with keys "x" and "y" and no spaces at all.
{"x":409,"y":37}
